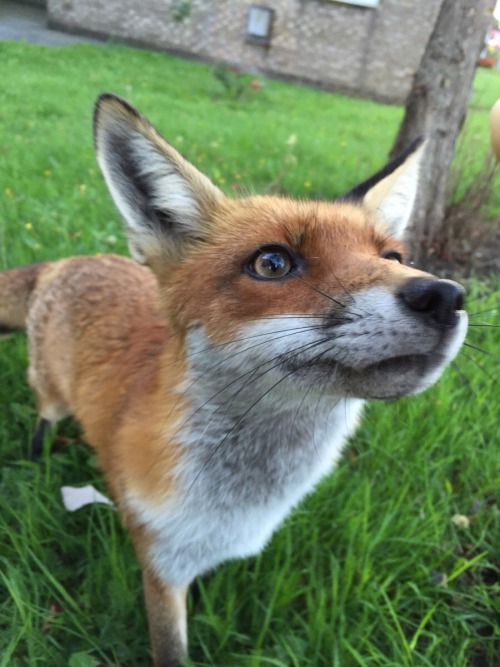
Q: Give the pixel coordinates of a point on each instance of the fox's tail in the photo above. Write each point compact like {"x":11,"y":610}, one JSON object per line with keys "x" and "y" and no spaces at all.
{"x":16,"y":287}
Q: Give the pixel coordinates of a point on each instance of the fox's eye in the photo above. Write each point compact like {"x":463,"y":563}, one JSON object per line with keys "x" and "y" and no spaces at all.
{"x":270,"y":262}
{"x":393,"y":255}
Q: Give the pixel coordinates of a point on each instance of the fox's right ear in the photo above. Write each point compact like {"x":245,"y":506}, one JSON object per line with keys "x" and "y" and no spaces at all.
{"x":166,"y":203}
{"x":389,"y":196}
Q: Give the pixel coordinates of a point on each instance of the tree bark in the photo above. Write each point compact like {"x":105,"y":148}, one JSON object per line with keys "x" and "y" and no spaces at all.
{"x":436,"y":108}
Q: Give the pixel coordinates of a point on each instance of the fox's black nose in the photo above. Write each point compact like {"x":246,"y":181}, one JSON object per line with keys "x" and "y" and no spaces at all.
{"x":438,"y":300}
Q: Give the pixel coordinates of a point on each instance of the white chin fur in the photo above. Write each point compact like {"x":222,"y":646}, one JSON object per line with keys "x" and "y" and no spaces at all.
{"x":450,"y":353}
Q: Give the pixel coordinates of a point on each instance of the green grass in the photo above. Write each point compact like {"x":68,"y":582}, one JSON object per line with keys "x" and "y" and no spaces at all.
{"x":370,"y":570}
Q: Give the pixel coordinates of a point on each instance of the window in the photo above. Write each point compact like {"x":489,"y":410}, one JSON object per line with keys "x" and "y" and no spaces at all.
{"x":359,"y":3}
{"x":259,"y":25}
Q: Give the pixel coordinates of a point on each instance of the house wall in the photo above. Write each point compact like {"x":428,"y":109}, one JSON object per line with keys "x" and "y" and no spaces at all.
{"x":369,"y":52}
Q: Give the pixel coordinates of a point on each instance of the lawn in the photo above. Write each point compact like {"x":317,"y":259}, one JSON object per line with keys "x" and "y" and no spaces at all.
{"x":394,"y":561}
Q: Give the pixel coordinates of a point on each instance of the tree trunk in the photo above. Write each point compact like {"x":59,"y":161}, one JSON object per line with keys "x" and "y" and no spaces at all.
{"x":436,"y":108}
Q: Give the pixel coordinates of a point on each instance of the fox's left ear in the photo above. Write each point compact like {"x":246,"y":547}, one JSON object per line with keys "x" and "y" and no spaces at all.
{"x":166,"y":203}
{"x":389,"y":195}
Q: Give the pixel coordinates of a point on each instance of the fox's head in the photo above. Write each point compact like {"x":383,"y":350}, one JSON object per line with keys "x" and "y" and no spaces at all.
{"x":302,"y":293}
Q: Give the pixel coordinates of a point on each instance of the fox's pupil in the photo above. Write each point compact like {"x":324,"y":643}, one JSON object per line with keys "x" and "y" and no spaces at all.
{"x":269,"y":263}
{"x":273,"y":262}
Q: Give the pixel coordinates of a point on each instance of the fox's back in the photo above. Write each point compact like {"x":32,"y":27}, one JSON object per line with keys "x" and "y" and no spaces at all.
{"x":86,"y":310}
{"x":95,"y":339}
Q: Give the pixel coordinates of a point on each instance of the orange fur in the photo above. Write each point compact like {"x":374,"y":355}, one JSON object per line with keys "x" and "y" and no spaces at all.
{"x":340,"y":245}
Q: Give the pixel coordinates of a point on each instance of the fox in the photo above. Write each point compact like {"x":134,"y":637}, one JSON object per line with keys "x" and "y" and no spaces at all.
{"x":218,"y":372}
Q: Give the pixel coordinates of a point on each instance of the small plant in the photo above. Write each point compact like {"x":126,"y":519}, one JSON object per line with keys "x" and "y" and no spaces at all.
{"x":466,"y":228}
{"x":235,"y":82}
{"x":181,"y":10}
{"x":231,"y":79}
{"x":468,"y":238}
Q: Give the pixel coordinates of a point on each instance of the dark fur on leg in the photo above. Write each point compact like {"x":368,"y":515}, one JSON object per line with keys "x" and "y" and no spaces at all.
{"x":38,"y":437}
{"x":166,"y":609}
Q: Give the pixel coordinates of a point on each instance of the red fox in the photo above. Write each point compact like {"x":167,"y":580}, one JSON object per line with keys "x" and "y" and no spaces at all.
{"x":219,"y":381}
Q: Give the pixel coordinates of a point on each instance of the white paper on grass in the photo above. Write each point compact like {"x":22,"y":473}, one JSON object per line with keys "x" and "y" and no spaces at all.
{"x":75,"y":497}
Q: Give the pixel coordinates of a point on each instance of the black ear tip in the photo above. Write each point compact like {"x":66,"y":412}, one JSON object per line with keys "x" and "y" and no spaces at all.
{"x":419,"y":140}
{"x":105,"y":99}
{"x":112,"y":106}
{"x":113,"y":101}
{"x":415,"y":144}
{"x":106,"y":96}
{"x":357,"y":193}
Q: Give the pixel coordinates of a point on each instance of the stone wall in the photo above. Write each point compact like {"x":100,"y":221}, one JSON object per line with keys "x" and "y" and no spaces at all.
{"x":371,"y":52}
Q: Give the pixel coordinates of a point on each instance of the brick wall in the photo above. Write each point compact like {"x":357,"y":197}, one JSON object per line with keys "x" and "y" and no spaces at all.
{"x":369,"y":52}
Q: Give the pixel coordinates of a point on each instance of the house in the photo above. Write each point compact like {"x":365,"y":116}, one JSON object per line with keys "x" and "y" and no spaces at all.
{"x":369,"y":48}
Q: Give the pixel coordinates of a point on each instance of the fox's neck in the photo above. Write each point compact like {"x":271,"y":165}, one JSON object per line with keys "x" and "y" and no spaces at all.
{"x":251,"y":444}
{"x":235,"y":383}
{"x":245,"y":411}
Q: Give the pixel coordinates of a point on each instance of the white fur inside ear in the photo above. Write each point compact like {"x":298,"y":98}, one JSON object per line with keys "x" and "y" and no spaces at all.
{"x":168,"y":193}
{"x":170,"y":190}
{"x":392,"y":199}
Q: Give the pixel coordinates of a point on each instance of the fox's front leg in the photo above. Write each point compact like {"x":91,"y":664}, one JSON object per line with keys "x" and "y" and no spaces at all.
{"x":166,"y":609}
{"x":36,"y":445}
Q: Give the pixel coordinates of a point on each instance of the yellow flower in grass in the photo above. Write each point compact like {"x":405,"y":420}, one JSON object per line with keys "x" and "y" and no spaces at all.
{"x":28,"y":225}
{"x":9,"y":193}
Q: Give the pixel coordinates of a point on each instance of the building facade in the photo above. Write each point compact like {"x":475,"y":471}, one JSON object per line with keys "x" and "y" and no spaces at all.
{"x":369,"y":48}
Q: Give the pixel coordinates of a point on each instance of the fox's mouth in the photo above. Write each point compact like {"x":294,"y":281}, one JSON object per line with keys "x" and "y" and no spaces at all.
{"x":404,"y":362}
{"x":398,"y":362}
{"x":398,"y":376}
{"x":393,"y":377}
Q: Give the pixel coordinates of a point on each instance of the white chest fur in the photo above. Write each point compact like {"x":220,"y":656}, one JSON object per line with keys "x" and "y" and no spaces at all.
{"x":251,"y":451}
